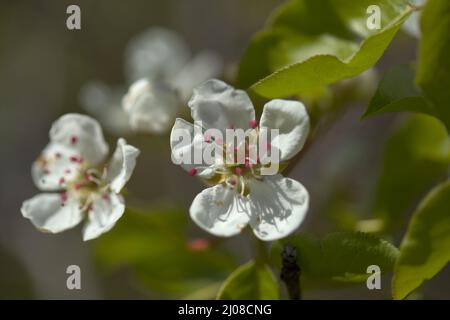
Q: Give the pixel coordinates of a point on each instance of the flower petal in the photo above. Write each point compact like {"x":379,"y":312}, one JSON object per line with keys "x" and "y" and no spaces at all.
{"x":82,"y":134}
{"x":291,"y":120}
{"x":55,"y":167}
{"x":103,"y":215}
{"x":186,"y":140}
{"x":156,"y":53}
{"x":201,"y":67}
{"x":217,"y":105}
{"x":122,"y":165}
{"x":47,"y":212}
{"x":277,"y":206}
{"x":152,"y":106}
{"x":219,"y":211}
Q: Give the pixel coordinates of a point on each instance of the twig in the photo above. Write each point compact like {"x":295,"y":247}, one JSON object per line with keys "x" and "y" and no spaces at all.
{"x":290,"y":272}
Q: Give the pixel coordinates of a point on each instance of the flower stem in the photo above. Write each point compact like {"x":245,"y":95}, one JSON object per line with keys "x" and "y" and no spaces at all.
{"x":261,"y":254}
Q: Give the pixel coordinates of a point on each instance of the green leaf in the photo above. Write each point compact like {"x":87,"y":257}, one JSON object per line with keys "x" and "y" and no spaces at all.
{"x":155,"y":245}
{"x":252,"y":281}
{"x":433,"y":74}
{"x":396,"y":92}
{"x":416,"y":156}
{"x":309,"y":44}
{"x":425,"y":249}
{"x":339,"y":258}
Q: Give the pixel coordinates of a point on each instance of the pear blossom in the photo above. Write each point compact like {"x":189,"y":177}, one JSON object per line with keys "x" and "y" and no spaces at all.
{"x":75,"y":180}
{"x":163,"y":76}
{"x":274,"y":206}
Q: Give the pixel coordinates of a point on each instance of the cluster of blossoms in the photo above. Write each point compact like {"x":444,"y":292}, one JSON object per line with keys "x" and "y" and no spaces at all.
{"x":161,"y":73}
{"x":76,"y":180}
{"x":241,"y":195}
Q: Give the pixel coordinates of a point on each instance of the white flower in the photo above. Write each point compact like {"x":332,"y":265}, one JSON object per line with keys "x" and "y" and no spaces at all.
{"x":105,"y":104}
{"x":76,"y":183}
{"x":163,"y":76}
{"x":274,"y":206}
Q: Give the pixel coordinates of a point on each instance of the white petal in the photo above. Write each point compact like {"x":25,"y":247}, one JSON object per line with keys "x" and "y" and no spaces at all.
{"x":47,"y":212}
{"x":105,"y":103}
{"x":218,"y":105}
{"x":291,"y":120}
{"x":156,"y":53}
{"x":122,"y":165}
{"x":277,"y":206}
{"x":82,"y":134}
{"x":219,"y":211}
{"x":55,"y":167}
{"x":94,"y":96}
{"x":103,"y":215}
{"x":186,"y":140}
{"x":201,"y":67}
{"x":152,"y":106}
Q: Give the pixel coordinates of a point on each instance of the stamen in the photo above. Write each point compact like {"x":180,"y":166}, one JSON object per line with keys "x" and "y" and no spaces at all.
{"x":242,"y":186}
{"x":239,"y":171}
{"x":46,"y":172}
{"x":192,"y":172}
{"x":267,"y":146}
{"x":252,"y":123}
{"x":67,"y":171}
{"x":91,"y":175}
{"x":57,"y":155}
{"x":77,"y":186}
{"x":62,"y":180}
{"x":219,"y":171}
{"x":105,"y":197}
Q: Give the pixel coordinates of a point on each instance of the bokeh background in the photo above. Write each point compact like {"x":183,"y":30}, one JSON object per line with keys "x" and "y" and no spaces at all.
{"x":42,"y":68}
